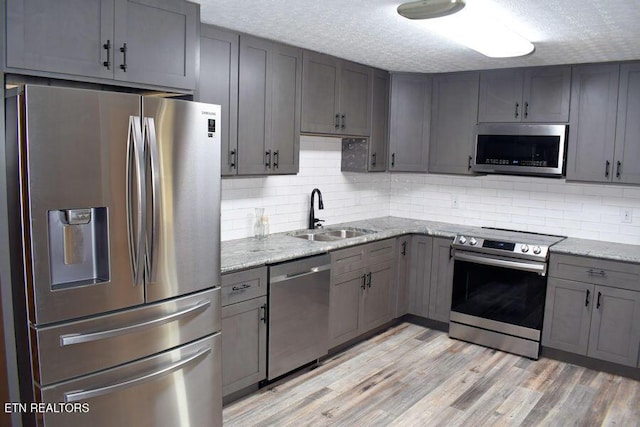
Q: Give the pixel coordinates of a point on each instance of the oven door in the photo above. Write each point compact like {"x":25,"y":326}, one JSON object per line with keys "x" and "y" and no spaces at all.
{"x":499,"y":294}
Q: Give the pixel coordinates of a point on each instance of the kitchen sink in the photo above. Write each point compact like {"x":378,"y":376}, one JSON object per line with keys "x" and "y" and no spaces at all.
{"x":332,"y":235}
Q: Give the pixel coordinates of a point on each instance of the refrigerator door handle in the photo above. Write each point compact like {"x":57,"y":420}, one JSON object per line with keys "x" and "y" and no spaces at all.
{"x":81,"y":395}
{"x":71,"y":339}
{"x":135,"y":159}
{"x":152,"y":253}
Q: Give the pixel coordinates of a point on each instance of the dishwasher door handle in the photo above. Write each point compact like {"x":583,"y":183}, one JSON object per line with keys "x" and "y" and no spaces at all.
{"x":290,"y":276}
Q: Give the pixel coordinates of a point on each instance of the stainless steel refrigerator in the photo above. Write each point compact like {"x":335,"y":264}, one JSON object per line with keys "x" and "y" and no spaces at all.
{"x":115,"y":232}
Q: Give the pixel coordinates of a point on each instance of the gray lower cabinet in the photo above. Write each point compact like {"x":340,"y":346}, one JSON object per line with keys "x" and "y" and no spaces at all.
{"x":454,"y":113}
{"x":403,"y":264}
{"x":587,"y":313}
{"x":420,"y":275}
{"x":336,"y":97}
{"x":244,"y":329}
{"x":531,"y":95}
{"x":218,"y":84}
{"x":270,"y":79}
{"x":379,"y":139}
{"x":441,"y":280}
{"x":361,"y":296}
{"x":409,"y":122}
{"x":152,"y":42}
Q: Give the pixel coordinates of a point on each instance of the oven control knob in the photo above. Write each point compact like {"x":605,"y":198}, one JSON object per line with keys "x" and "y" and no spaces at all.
{"x":537,"y":250}
{"x":524,"y":248}
{"x":462,"y":240}
{"x":473,"y":241}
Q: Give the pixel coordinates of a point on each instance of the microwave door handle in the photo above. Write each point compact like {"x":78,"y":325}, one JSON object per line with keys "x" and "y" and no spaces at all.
{"x":135,"y":160}
{"x":152,"y":252}
{"x":538,"y":268}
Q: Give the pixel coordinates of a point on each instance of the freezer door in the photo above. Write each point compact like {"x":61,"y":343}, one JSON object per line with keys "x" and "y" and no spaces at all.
{"x":181,"y":387}
{"x":74,"y":164}
{"x":183,"y":232}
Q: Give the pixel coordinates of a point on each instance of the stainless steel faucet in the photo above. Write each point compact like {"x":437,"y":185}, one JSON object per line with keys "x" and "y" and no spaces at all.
{"x":313,"y":221}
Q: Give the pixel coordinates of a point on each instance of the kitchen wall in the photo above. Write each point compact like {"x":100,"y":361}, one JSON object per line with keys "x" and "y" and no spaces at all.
{"x":545,"y":205}
{"x":347,"y":196}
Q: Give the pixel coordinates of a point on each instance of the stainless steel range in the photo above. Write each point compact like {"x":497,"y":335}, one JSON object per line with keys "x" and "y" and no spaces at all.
{"x":499,"y":288}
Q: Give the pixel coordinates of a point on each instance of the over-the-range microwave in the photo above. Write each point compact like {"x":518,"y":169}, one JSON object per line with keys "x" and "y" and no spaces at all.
{"x":520,"y":149}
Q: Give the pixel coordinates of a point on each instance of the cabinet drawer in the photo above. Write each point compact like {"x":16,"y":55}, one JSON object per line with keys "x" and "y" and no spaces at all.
{"x":598,"y":271}
{"x":244,"y":285}
{"x":346,"y":260}
{"x":384,"y":250}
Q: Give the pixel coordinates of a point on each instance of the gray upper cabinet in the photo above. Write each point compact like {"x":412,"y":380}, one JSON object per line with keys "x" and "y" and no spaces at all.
{"x":441,"y":280}
{"x":454,"y":113}
{"x":336,"y":97}
{"x":379,"y":140}
{"x":409,"y":122}
{"x":151,"y":42}
{"x":594,"y":104}
{"x":219,"y":85}
{"x":627,"y":146}
{"x":525,"y":95}
{"x":268,"y":107}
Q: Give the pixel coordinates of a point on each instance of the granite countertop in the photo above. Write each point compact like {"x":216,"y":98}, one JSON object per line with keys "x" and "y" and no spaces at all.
{"x":598,"y":249}
{"x":246,"y":253}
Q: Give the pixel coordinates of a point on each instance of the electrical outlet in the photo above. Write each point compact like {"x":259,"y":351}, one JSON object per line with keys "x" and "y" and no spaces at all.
{"x":627,"y":215}
{"x":454,"y":202}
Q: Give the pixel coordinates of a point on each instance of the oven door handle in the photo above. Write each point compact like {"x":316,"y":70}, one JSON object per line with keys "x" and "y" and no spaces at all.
{"x":539,"y":268}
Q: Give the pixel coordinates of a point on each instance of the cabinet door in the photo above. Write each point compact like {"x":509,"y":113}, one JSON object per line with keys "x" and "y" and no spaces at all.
{"x":286,"y":86}
{"x":453,"y":120}
{"x":161,"y":42}
{"x":594,"y":103}
{"x":546,"y":94}
{"x":615,"y":326}
{"x":409,"y":119}
{"x":244,"y":344}
{"x":355,"y":99}
{"x":441,"y":280}
{"x":320,"y":103}
{"x":344,"y":306}
{"x":403,"y":256}
{"x":627,"y":167}
{"x":64,"y":36}
{"x":567,"y":315}
{"x":420,"y":275}
{"x":379,"y":140}
{"x":378,"y":297}
{"x":219,"y":85}
{"x":500,"y":96}
{"x":254,"y":99}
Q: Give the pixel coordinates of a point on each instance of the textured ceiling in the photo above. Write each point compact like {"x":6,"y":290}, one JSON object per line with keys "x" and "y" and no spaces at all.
{"x":372,"y":33}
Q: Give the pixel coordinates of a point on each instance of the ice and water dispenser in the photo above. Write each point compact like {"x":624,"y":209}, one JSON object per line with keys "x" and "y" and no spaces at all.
{"x":78,"y":247}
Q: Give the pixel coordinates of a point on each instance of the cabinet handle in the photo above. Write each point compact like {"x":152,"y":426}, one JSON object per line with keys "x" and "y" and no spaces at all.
{"x":276,"y":158}
{"x":123,"y":49}
{"x":618,"y":169}
{"x":264,"y":314}
{"x":450,"y":251}
{"x":526,"y":110}
{"x":373,"y":159}
{"x":593,"y":272}
{"x":517,"y":112}
{"x":107,"y":47}
{"x":369,"y":279}
{"x":404,"y":248}
{"x":586,"y":301}
{"x":606,"y":168}
{"x":337,"y":121}
{"x":344,"y":121}
{"x":598,"y":303}
{"x":393,"y":160}
{"x":364,"y":282}
{"x":469,"y":165}
{"x":232,"y":159}
{"x":267,"y":158}
{"x":240,"y":288}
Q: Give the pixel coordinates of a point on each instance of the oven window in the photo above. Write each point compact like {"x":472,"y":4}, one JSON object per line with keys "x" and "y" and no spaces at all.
{"x":501,"y":294}
{"x":518,"y":150}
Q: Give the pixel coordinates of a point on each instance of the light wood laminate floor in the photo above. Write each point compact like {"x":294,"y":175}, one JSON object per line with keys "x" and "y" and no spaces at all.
{"x":414,"y":376}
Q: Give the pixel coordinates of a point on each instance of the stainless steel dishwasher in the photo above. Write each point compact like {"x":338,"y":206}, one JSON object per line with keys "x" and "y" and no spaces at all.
{"x":298,"y":313}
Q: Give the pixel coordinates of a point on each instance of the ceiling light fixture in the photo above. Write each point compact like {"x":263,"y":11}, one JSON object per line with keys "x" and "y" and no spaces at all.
{"x":474,"y":27}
